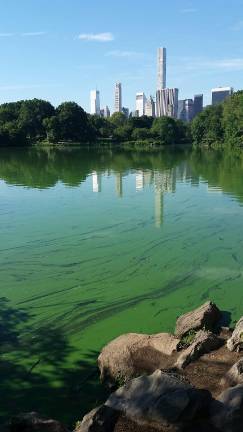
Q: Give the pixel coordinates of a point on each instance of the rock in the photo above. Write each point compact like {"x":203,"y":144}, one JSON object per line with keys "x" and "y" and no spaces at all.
{"x":161,"y":399}
{"x":203,"y":343}
{"x":33,"y":422}
{"x":101,"y":419}
{"x":235,"y":343}
{"x":132,"y":354}
{"x":234,"y":376}
{"x":227,"y":410}
{"x":205,"y":317}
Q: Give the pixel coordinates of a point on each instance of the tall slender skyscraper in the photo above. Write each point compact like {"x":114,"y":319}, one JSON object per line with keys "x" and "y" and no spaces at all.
{"x":95,"y":102}
{"x":161,"y":78}
{"x":118,"y":97}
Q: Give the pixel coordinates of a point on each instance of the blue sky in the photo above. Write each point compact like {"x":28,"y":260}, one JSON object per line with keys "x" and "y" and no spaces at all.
{"x":60,"y":49}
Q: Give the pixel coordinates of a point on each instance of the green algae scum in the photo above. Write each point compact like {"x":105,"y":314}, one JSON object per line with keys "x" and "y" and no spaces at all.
{"x":99,"y":243}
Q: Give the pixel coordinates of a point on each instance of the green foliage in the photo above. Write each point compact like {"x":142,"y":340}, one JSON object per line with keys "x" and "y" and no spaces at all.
{"x":118,"y":119}
{"x":35,"y":121}
{"x":220,"y":125}
{"x":207,"y":127}
{"x":73,"y":123}
{"x":188,"y":339}
{"x":169,"y":131}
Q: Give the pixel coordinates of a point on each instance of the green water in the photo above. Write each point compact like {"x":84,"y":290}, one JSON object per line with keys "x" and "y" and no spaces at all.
{"x":99,"y":243}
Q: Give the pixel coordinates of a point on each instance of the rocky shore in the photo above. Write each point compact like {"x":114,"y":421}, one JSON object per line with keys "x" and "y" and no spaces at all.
{"x":191,"y":381}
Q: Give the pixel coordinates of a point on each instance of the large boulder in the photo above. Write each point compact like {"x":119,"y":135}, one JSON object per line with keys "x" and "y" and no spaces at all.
{"x":161,"y":400}
{"x":203,"y":343}
{"x":234,"y":376}
{"x":33,"y":422}
{"x":101,"y":419}
{"x":132,"y":354}
{"x":205,"y":317}
{"x":227,"y":410}
{"x":235,"y":343}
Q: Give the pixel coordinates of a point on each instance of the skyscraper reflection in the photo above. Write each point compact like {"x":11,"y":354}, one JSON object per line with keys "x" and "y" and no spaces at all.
{"x":119,"y":186}
{"x":96,"y":178}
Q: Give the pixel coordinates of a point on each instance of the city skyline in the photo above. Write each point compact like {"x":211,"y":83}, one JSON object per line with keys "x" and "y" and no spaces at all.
{"x":62,"y":56}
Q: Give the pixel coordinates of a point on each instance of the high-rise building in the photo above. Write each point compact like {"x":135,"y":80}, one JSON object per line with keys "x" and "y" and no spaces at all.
{"x":219,"y":94}
{"x":198,"y":104}
{"x":189,"y":107}
{"x":140,"y":104}
{"x":167,"y":102}
{"x":161,"y":76}
{"x":118,"y":97}
{"x":95,"y":102}
{"x":181,"y":115}
{"x":107,"y":112}
{"x":150,"y":107}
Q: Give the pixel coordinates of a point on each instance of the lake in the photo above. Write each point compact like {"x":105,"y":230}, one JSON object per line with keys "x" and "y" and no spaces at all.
{"x":96,"y":243}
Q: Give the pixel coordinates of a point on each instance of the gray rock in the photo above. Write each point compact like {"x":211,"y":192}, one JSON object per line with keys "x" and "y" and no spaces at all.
{"x":205,"y":317}
{"x":162,"y":399}
{"x":33,"y":422}
{"x":101,"y":419}
{"x":133,"y":354}
{"x":234,"y":376}
{"x":235,"y":343}
{"x":227,"y":410}
{"x":203,"y":343}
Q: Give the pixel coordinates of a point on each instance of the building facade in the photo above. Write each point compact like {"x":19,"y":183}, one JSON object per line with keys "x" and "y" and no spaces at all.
{"x":198,"y":104}
{"x":95,"y":102}
{"x":118,"y":97}
{"x":161,"y":64}
{"x":150,"y":107}
{"x":219,"y":94}
{"x":167,"y":102}
{"x":140,"y":104}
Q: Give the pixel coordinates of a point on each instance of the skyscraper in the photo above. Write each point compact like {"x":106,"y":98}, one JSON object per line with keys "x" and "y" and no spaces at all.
{"x":161,"y":77}
{"x":198,"y":104}
{"x":167,"y":102}
{"x":150,"y":107}
{"x":118,"y":97}
{"x":140,"y":103}
{"x":219,"y":94}
{"x":95,"y":102}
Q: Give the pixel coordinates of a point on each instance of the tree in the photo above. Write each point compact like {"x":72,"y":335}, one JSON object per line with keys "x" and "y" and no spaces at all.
{"x":165,"y":129}
{"x":122,"y":133}
{"x":31,"y":116}
{"x":232,"y":120}
{"x":140,"y":134}
{"x":207,"y":127}
{"x":74,"y":124}
{"x":141,"y":122}
{"x":118,"y":119}
{"x":52,"y":128}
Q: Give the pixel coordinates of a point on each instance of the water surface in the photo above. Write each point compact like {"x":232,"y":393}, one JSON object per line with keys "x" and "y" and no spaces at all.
{"x":98,"y":243}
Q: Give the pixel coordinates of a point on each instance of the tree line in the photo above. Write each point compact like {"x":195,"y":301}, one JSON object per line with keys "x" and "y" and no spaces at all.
{"x":220,"y":125}
{"x":31,"y":121}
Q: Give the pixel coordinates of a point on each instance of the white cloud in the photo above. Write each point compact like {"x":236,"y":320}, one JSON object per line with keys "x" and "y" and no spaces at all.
{"x":33,"y":34}
{"x":6,"y":34}
{"x":188,"y":10}
{"x":203,"y":64}
{"x":118,"y":53}
{"x":98,"y":37}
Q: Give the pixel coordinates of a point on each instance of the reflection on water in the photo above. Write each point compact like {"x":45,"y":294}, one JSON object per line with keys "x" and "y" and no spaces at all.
{"x":99,"y":243}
